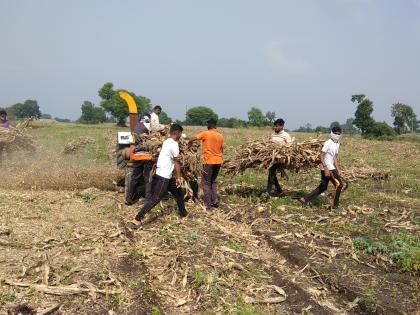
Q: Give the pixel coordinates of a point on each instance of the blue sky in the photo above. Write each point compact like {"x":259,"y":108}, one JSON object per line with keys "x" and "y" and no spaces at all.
{"x":302,"y":59}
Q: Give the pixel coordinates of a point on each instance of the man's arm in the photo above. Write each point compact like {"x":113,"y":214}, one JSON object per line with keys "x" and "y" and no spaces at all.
{"x":178,"y":171}
{"x":337,"y":166}
{"x":327,"y":172}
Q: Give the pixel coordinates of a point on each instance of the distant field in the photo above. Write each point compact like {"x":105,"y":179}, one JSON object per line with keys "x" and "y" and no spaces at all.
{"x":62,"y":223}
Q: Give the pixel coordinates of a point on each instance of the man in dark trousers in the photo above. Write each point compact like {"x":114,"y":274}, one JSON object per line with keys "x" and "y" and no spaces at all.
{"x":164,"y":181}
{"x":138,"y":172}
{"x":281,"y":137}
{"x":330,"y":169}
{"x":212,"y":154}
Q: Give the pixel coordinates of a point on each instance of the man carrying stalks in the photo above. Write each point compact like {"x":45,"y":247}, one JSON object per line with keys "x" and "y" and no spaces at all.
{"x":212,"y":143}
{"x":280,"y":137}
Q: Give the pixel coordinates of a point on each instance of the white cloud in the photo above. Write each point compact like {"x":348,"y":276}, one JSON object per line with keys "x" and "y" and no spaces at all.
{"x":279,"y":58}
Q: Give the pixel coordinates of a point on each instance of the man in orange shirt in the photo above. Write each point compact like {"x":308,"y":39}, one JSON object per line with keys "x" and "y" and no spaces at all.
{"x":212,"y":143}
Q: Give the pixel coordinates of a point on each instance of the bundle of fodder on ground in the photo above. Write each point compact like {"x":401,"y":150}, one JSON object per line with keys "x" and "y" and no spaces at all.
{"x":264,"y":153}
{"x":13,"y":139}
{"x":76,"y":144}
{"x":354,"y":173}
{"x":190,"y":154}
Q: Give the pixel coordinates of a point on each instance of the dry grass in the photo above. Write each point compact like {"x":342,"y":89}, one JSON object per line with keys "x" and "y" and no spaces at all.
{"x":57,"y":236}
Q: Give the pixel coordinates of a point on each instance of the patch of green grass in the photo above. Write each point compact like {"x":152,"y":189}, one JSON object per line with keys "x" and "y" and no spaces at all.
{"x":45,"y":209}
{"x":88,"y":197}
{"x":191,"y":238}
{"x":236,"y":246}
{"x":368,"y":246}
{"x":7,"y":297}
{"x":199,"y":278}
{"x":405,"y":252}
{"x":248,"y":309}
{"x":403,"y":249}
{"x":155,"y":311}
{"x":107,"y":210}
{"x":255,"y":272}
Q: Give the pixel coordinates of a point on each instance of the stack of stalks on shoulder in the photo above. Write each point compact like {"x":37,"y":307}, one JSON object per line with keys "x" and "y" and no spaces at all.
{"x":264,"y":153}
{"x":190,"y":155}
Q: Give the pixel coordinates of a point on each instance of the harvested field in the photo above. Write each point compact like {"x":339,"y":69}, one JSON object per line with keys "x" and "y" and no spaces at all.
{"x":65,"y":248}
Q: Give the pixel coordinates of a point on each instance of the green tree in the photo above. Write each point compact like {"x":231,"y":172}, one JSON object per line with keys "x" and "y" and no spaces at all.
{"x":92,"y":114}
{"x":199,"y":115}
{"x":164,"y":118}
{"x":363,"y":119}
{"x":404,"y":118}
{"x":348,"y":127}
{"x":28,"y":109}
{"x":256,"y":117}
{"x":270,"y":117}
{"x":117,"y":107}
{"x":334,"y":124}
{"x":381,"y":130}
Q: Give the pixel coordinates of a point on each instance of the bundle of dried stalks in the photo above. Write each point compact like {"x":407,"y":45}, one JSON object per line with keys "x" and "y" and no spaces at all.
{"x":190,"y":155}
{"x":352,"y":174}
{"x":14,"y":139}
{"x":74,"y":145}
{"x":263,"y":153}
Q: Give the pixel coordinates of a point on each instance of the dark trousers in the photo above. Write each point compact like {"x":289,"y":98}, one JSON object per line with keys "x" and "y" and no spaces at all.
{"x":137,"y":177}
{"x":337,"y":182}
{"x":272,"y":179}
{"x":160,"y":186}
{"x":208,"y":183}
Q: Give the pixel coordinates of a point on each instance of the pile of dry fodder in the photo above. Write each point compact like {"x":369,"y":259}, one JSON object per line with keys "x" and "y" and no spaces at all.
{"x":190,"y":154}
{"x":352,"y":174}
{"x":74,"y":145}
{"x":264,"y":153}
{"x":13,"y":139}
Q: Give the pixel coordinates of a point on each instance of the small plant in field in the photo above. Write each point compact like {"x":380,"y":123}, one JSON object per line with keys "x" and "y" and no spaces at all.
{"x":406,"y":252}
{"x":248,"y":309}
{"x":236,"y":247}
{"x":368,"y":246}
{"x":45,"y":209}
{"x":88,"y":197}
{"x":191,"y":238}
{"x":199,"y":278}
{"x":155,"y":311}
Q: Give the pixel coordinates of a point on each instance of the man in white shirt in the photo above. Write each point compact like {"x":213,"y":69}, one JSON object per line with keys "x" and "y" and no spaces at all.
{"x":280,"y":137}
{"x":154,"y":119}
{"x":330,"y":169}
{"x":163,"y":181}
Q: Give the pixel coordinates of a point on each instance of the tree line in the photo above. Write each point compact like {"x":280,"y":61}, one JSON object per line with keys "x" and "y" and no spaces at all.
{"x":114,"y":110}
{"x":405,"y":120}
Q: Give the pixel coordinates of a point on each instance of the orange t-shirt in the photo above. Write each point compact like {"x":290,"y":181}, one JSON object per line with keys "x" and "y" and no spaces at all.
{"x":212,"y":146}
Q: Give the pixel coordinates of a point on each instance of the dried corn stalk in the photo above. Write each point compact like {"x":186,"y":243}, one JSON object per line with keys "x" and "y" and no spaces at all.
{"x":190,"y":155}
{"x":74,"y":145}
{"x":352,"y":174}
{"x":264,"y":153}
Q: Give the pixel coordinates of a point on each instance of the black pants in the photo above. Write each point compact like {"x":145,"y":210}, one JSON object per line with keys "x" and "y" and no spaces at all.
{"x":208,"y":183}
{"x":138,"y":178}
{"x":160,"y":186}
{"x":272,"y":179}
{"x":337,"y":182}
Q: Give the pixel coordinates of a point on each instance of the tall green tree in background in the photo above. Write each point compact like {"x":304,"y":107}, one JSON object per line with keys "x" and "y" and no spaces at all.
{"x":92,"y":114}
{"x":363,"y":119}
{"x":164,"y":118}
{"x":28,"y":109}
{"x":113,"y":104}
{"x":270,"y":117}
{"x":256,"y":117}
{"x":348,"y":127}
{"x":199,"y":115}
{"x":404,"y":118}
